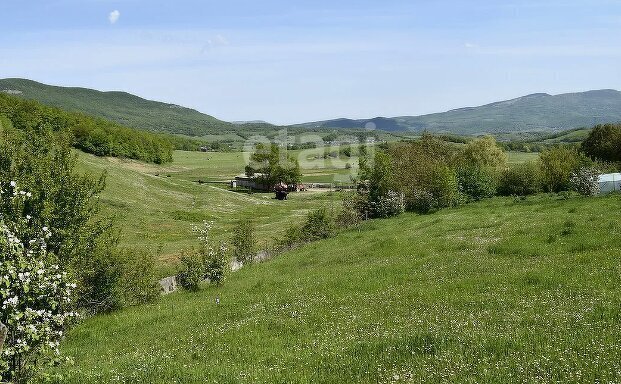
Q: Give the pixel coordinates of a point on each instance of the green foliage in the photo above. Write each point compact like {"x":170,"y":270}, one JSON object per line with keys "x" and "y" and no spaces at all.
{"x":244,"y":242}
{"x":64,"y":201}
{"x":388,"y":205}
{"x":521,"y":180}
{"x":208,"y":263}
{"x":215,"y":264}
{"x":483,"y":153}
{"x":477,"y":182}
{"x":192,"y":271}
{"x":274,"y":165}
{"x":93,"y":135}
{"x":354,"y":209}
{"x":425,"y":174}
{"x":35,"y":294}
{"x":320,"y":224}
{"x":377,"y":173}
{"x":604,"y":143}
{"x":557,"y":165}
{"x":122,"y":108}
{"x":138,"y":280}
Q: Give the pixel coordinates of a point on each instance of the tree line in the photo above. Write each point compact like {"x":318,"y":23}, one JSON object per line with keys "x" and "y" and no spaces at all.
{"x":430,"y":174}
{"x":90,"y":134}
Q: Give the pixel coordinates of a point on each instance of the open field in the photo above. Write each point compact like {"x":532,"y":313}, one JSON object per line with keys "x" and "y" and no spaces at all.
{"x":156,"y":206}
{"x":521,"y":157}
{"x":498,"y":291}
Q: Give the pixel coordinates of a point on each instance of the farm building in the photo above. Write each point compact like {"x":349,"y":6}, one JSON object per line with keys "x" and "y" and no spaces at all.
{"x":250,"y":182}
{"x":610,"y":182}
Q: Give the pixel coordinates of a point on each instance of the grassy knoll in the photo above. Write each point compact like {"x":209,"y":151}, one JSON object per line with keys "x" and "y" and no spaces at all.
{"x":502,"y":290}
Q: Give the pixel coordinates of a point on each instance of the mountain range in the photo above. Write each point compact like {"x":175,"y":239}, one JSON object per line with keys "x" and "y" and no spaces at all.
{"x":539,"y":112}
{"x":532,"y":113}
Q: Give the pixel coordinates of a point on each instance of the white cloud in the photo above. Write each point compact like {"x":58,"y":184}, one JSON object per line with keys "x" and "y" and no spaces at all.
{"x":470,"y":45}
{"x":114,"y":16}
{"x":217,"y":41}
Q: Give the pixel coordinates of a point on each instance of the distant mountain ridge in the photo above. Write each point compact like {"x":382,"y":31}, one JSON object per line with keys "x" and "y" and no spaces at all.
{"x":121,"y":107}
{"x":535,"y":112}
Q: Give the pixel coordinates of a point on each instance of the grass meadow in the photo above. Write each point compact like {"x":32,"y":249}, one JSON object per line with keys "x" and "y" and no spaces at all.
{"x":155,"y":207}
{"x":503,"y":290}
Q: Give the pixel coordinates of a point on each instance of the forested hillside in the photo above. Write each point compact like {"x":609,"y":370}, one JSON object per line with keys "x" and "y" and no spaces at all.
{"x":90,"y":134}
{"x":123,"y":108}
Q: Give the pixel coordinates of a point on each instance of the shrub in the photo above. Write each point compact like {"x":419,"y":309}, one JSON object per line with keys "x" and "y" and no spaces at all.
{"x":244,"y":242}
{"x":209,"y":263}
{"x":444,"y":187}
{"x":138,"y":279}
{"x":293,"y":236}
{"x":557,"y":165}
{"x":585,"y":181}
{"x":35,"y":298}
{"x":520,"y":180}
{"x":353,"y":211}
{"x":215,"y":264}
{"x":483,"y":153}
{"x":192,"y":271}
{"x":392,"y":204}
{"x":320,"y":224}
{"x":421,"y":201}
{"x":477,"y":182}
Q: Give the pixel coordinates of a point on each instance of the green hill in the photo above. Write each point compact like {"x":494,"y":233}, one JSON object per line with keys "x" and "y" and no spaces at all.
{"x":537,"y":112}
{"x":498,"y":291}
{"x":121,"y":107}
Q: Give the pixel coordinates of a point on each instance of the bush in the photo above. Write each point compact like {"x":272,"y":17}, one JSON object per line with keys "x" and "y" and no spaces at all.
{"x":520,"y":180}
{"x":244,"y":242}
{"x":444,"y":187}
{"x":35,"y":295}
{"x":138,"y":280}
{"x":320,"y":224}
{"x":483,"y":153}
{"x":207,"y":264}
{"x":65,"y":202}
{"x":421,"y":201}
{"x":354,"y":210}
{"x":392,"y":204}
{"x":293,"y":236}
{"x":477,"y":182}
{"x":557,"y":165}
{"x":192,"y":271}
{"x":215,"y":264}
{"x":585,"y":181}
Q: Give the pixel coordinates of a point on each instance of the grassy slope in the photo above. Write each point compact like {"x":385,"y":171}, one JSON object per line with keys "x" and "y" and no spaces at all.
{"x":156,"y":212}
{"x":497,"y":291}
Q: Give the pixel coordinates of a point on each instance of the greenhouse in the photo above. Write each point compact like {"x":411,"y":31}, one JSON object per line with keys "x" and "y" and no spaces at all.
{"x":610,"y":182}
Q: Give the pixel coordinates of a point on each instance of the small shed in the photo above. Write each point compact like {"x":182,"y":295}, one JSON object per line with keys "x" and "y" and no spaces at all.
{"x":610,"y":182}
{"x":250,"y":182}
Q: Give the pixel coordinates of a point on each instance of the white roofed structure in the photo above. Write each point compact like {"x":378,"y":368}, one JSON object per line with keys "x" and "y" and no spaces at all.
{"x":610,"y":182}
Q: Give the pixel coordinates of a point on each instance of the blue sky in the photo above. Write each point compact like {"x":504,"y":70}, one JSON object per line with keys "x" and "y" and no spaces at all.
{"x":296,"y":61}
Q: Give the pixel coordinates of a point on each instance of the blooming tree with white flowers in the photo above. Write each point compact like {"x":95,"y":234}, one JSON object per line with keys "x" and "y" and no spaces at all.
{"x":35,"y":296}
